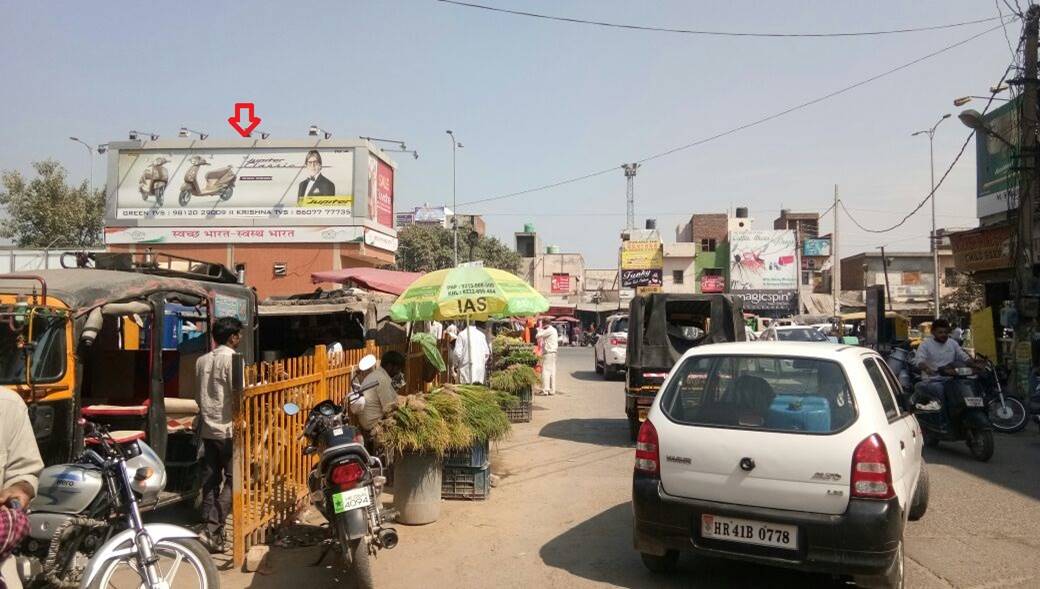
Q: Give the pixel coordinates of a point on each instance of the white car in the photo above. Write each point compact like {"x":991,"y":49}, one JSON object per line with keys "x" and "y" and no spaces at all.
{"x":792,"y":333}
{"x":786,"y":454}
{"x":611,"y":349}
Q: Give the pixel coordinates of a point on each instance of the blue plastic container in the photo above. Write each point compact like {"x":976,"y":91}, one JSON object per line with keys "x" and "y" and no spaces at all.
{"x":475,"y":456}
{"x":797,"y":413}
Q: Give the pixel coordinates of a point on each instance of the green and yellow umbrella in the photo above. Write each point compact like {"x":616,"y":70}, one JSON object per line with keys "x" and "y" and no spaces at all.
{"x":467,"y":292}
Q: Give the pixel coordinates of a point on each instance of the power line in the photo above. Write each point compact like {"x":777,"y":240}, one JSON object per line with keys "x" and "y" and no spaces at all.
{"x":631,"y":27}
{"x":737,"y":129}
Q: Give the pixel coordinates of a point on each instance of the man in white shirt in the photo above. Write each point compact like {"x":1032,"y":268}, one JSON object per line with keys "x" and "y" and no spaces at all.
{"x":471,"y":354}
{"x":436,"y":330}
{"x":933,"y":358}
{"x":550,"y":342}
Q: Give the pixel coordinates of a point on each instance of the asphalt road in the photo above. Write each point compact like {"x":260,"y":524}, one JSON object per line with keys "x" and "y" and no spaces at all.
{"x":561,"y":515}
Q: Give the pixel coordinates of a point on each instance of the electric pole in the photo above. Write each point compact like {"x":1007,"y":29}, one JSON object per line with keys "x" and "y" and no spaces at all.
{"x":630,"y":195}
{"x":1026,"y":198}
{"x":835,"y":259}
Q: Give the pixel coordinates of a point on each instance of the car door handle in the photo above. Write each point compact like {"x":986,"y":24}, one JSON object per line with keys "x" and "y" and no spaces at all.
{"x":902,"y":445}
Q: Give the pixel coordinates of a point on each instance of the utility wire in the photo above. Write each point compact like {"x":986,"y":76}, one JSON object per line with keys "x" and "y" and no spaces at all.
{"x":597,"y":23}
{"x":737,"y":129}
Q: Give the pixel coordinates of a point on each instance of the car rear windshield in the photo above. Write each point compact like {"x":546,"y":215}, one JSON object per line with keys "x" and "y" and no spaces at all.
{"x":620,"y":325}
{"x":774,"y":393}
{"x":808,"y":334}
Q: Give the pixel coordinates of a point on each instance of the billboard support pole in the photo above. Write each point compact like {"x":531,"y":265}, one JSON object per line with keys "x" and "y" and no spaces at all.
{"x":888,"y":289}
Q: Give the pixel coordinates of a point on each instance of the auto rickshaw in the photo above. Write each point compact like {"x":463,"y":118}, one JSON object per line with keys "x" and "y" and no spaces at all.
{"x":854,"y":326}
{"x":118,"y":347}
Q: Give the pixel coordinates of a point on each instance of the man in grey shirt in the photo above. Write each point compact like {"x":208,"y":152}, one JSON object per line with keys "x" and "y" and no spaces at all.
{"x":379,"y":401}
{"x":20,"y":464}
{"x":213,"y":376}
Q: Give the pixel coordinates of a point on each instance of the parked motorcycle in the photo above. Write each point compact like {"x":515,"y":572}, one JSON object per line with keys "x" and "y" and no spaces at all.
{"x":219,"y":182}
{"x":962,"y":416}
{"x":86,"y":528}
{"x":346,"y":486}
{"x":154,"y":180}
{"x":1006,"y":413}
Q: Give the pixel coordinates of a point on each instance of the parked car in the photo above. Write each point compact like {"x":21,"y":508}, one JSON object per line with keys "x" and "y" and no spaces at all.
{"x":793,"y":333}
{"x":787,"y":454}
{"x":662,"y":328}
{"x":609,"y":351}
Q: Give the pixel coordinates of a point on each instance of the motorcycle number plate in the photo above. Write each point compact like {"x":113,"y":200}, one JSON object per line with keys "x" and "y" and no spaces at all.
{"x":353,"y":499}
{"x":973,"y":401}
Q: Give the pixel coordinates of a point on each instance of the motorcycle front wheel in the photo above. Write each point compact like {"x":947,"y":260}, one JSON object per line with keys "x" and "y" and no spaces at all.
{"x":980,"y":443}
{"x":1008,"y":418}
{"x":182,"y":563}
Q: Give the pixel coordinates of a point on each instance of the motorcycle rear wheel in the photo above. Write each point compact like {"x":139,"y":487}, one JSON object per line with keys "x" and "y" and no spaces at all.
{"x":360,"y":562}
{"x":1009,"y":418}
{"x":980,"y":444}
{"x":188,"y":554}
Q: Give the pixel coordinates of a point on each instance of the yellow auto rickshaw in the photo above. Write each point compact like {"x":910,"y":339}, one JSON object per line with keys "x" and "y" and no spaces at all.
{"x":854,"y":325}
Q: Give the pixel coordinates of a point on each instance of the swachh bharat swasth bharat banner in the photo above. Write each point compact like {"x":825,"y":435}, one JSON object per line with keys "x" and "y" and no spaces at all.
{"x":762,"y":260}
{"x":640,"y":255}
{"x":213,"y":184}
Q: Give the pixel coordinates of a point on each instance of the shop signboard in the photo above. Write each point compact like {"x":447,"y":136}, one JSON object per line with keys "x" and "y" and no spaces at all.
{"x":713,"y":283}
{"x":763,"y":261}
{"x":207,"y":186}
{"x":641,"y":277}
{"x":986,"y":248}
{"x":778,"y":303}
{"x":642,"y":255}
{"x":560,"y":283}
{"x":996,"y":182}
{"x":381,"y":185}
{"x":816,"y":248}
{"x":647,"y":290}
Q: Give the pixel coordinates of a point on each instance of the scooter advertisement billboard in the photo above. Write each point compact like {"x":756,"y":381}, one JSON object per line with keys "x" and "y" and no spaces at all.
{"x":280,"y":183}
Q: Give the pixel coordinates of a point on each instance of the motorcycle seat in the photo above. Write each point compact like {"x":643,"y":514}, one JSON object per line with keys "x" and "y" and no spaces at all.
{"x":119,"y":437}
{"x":114,"y":411}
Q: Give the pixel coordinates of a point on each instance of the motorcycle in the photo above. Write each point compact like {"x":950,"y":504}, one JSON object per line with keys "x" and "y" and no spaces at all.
{"x":961,"y":416}
{"x":85,"y":526}
{"x":1007,"y":414}
{"x":219,"y":182}
{"x":154,"y":180}
{"x":346,"y":485}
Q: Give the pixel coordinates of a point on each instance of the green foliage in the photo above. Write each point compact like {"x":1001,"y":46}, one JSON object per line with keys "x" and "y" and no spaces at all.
{"x":47,"y":212}
{"x":452,"y":417}
{"x":484,"y":414}
{"x":524,"y":357}
{"x":415,"y":426}
{"x":425,"y":248}
{"x":514,"y":379}
{"x":964,"y":301}
{"x":428,"y":343}
{"x":505,"y":342}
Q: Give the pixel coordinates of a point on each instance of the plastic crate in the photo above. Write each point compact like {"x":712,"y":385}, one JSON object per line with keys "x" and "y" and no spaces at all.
{"x":521,"y":413}
{"x":462,"y":482}
{"x":475,"y":456}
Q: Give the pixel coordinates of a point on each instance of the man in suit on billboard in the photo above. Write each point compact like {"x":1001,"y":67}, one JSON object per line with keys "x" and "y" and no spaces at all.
{"x":315,"y":184}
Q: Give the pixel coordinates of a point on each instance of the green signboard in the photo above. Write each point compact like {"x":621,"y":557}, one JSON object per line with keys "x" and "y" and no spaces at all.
{"x":997,"y":184}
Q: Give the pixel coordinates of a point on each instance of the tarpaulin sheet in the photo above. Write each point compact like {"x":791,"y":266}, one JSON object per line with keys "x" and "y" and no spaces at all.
{"x":388,"y":281}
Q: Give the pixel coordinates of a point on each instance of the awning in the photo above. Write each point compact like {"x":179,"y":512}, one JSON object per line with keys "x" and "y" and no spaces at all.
{"x":388,"y":281}
{"x":315,"y":309}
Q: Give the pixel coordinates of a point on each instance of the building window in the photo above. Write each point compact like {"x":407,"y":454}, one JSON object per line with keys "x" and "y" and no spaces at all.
{"x":677,"y":276}
{"x":707,"y":245}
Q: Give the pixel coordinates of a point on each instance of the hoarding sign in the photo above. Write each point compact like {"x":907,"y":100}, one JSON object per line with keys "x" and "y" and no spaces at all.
{"x":404,"y":219}
{"x":640,"y":255}
{"x":816,"y":247}
{"x":298,"y":234}
{"x":560,"y":283}
{"x":647,"y":290}
{"x":380,"y":191}
{"x":711,"y":283}
{"x":190,"y":185}
{"x":780,"y":303}
{"x":996,"y":185}
{"x":988,"y":248}
{"x":762,"y":260}
{"x":641,"y":277}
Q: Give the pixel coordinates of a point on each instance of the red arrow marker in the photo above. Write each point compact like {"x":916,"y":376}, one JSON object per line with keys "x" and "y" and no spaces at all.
{"x":244,"y":121}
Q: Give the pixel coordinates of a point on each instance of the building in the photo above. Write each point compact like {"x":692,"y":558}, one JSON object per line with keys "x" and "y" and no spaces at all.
{"x":910,"y":279}
{"x":442,"y":216}
{"x":273,"y":211}
{"x":555,"y":275}
{"x":679,"y":273}
{"x":813,"y":250}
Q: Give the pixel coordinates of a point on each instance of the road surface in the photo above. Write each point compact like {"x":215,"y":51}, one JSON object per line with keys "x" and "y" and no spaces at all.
{"x":561,"y":516}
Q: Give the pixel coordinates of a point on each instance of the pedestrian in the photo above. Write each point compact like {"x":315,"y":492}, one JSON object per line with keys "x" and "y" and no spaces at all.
{"x":382,"y":399}
{"x":436,"y":330}
{"x":213,"y":375}
{"x":471,"y":354}
{"x":20,"y":466}
{"x":550,"y":341}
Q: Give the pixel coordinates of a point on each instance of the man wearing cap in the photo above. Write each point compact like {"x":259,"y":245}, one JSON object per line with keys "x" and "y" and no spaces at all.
{"x":382,"y":399}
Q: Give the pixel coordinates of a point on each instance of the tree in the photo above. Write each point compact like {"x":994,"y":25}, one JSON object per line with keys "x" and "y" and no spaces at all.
{"x":47,"y":212}
{"x":964,"y":301}
{"x":425,"y":248}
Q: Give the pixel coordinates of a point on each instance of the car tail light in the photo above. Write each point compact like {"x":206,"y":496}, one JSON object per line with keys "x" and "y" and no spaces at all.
{"x":346,"y":475}
{"x":618,"y":341}
{"x":871,"y":471}
{"x":648,"y":457}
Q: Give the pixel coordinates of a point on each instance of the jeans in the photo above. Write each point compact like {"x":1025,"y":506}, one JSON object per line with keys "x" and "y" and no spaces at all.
{"x":216,"y":484}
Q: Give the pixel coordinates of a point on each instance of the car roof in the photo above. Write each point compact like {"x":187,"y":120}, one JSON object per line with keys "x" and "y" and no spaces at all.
{"x":822,"y":350}
{"x":786,"y":327}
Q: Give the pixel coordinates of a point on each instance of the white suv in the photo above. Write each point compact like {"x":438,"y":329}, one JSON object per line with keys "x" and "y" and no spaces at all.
{"x":787,"y":454}
{"x":611,"y":347}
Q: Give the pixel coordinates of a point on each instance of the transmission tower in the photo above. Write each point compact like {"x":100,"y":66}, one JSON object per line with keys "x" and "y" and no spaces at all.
{"x":630,"y":194}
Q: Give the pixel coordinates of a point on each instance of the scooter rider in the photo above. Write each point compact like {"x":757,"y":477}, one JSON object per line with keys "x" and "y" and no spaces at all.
{"x":934,"y":358}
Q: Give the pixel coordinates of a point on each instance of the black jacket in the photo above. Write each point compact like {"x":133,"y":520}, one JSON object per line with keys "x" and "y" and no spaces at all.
{"x":322,"y":187}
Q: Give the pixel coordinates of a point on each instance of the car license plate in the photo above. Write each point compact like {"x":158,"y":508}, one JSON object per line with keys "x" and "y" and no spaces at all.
{"x":748,"y":531}
{"x":973,"y":401}
{"x":353,"y":499}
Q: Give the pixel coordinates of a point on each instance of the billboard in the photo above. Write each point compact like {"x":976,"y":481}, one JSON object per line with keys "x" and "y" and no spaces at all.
{"x":185,"y":185}
{"x":996,"y":182}
{"x":560,"y":283}
{"x":762,"y":261}
{"x":380,"y":191}
{"x":816,"y":248}
{"x":778,"y":303}
{"x":641,"y":277}
{"x":640,"y":255}
{"x":987,"y":248}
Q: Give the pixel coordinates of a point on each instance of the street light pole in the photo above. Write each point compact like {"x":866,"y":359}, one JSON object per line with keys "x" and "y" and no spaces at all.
{"x":90,"y":154}
{"x":454,"y":210}
{"x":934,"y":238}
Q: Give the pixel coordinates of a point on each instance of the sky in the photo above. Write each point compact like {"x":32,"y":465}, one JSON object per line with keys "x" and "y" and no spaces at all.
{"x":535,"y":101}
